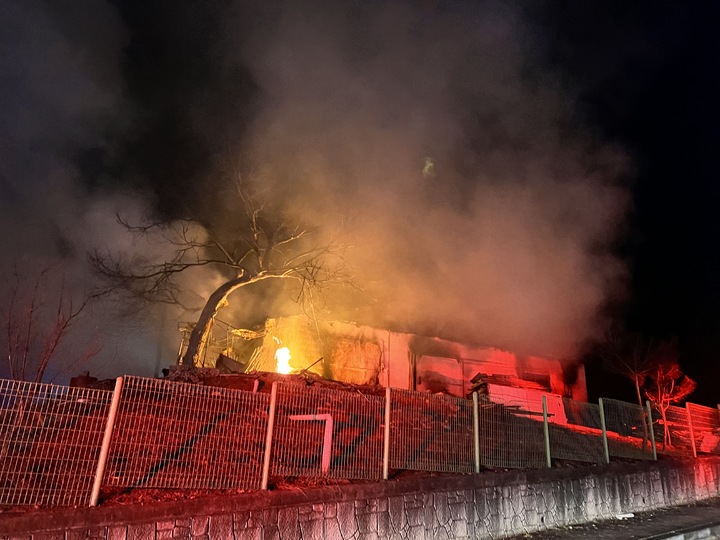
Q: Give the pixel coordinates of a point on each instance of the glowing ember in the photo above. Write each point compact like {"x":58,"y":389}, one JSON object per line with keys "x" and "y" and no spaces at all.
{"x":282,"y":357}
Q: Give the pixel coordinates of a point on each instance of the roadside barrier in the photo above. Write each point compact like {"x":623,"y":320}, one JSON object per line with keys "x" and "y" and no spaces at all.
{"x":62,"y":446}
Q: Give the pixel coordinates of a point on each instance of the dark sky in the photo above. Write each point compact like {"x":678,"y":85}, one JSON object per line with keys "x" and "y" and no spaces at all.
{"x":650,"y":82}
{"x":574,"y":144}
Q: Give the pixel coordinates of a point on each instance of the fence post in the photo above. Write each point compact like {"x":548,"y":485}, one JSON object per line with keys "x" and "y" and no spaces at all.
{"x":692,"y":431}
{"x":107,"y":437}
{"x":269,"y":436}
{"x":546,"y":431}
{"x":652,"y":429}
{"x":476,"y":430}
{"x":606,"y":450}
{"x":386,"y":439}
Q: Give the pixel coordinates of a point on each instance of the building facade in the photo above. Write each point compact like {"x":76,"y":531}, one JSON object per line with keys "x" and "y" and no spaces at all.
{"x":365,"y":355}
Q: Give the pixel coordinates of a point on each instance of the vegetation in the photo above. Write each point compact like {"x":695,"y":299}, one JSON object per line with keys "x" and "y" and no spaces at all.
{"x":654,"y":368}
{"x":666,"y":385}
{"x":38,"y":314}
{"x":251,"y":240}
{"x":633,"y":356}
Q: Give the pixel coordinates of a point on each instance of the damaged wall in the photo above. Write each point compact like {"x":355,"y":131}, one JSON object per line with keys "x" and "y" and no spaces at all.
{"x":319,"y":349}
{"x":366,"y":355}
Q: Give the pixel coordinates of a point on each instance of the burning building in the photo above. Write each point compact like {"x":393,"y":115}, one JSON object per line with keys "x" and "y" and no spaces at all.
{"x":371,"y":356}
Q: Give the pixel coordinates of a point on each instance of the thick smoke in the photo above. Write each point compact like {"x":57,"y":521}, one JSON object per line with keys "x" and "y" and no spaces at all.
{"x":433,"y":137}
{"x":62,"y":111}
{"x":478,"y":206}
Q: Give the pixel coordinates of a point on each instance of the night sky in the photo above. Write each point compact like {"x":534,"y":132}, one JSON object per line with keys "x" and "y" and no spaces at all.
{"x":650,"y":80}
{"x":574,"y":145}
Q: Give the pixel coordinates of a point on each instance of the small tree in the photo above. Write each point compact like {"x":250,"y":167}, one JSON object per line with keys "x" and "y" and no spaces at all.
{"x":666,"y":384}
{"x":633,"y":356}
{"x":37,"y":315}
{"x":247,"y":242}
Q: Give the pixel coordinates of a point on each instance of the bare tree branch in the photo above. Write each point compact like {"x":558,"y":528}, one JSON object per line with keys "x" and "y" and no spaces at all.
{"x":667,"y":384}
{"x":631,"y":355}
{"x":256,"y":244}
{"x":38,"y":317}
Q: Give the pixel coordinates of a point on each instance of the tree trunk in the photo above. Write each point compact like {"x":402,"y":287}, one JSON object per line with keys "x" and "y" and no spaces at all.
{"x":201,"y":331}
{"x":637,"y":390}
{"x":646,"y":435}
{"x":666,"y":432}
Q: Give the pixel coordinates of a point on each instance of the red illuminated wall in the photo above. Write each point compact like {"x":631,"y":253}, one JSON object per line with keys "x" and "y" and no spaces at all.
{"x":409,"y":361}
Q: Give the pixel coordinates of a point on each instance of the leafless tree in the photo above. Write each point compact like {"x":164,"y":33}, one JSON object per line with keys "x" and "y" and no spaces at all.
{"x":249,"y":241}
{"x":37,"y":315}
{"x":653,"y":366}
{"x":666,"y":384}
{"x":633,"y":356}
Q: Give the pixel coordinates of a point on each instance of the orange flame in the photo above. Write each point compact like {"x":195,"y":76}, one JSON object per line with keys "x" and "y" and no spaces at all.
{"x":282,"y":358}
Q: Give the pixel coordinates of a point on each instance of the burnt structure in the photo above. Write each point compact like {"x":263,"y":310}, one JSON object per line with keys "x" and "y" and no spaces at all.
{"x":367,"y":356}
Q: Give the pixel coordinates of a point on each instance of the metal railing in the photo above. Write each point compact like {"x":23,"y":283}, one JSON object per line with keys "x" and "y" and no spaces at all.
{"x":179,"y":435}
{"x":430,"y":432}
{"x":579,"y":436}
{"x":510,"y":434}
{"x":59,"y":446}
{"x":673,"y":433}
{"x":323,"y":432}
{"x":50,"y":439}
{"x":628,"y":430}
{"x":705,"y":422}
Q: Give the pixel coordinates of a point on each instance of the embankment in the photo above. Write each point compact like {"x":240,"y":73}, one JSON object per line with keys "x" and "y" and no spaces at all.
{"x":487,"y":505}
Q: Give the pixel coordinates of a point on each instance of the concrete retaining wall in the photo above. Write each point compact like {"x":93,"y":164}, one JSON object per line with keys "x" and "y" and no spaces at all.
{"x":489,"y":505}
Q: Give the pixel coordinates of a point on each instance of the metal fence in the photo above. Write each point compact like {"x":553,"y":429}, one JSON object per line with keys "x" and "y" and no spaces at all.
{"x":628,"y":430}
{"x":672,"y":432}
{"x":579,"y":435}
{"x":60,"y":445}
{"x":178,"y":435}
{"x":50,"y":440}
{"x":511,"y":434}
{"x":430,"y":432}
{"x":323,"y":432}
{"x":705,"y":422}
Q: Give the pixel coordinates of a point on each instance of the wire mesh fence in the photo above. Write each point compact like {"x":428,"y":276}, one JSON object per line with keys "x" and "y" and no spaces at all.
{"x":325,"y":432}
{"x":705,"y":428}
{"x":178,"y":435}
{"x":50,"y":439}
{"x":511,"y":433}
{"x":431,"y":432}
{"x":672,"y":431}
{"x":628,"y":430}
{"x":577,"y":436}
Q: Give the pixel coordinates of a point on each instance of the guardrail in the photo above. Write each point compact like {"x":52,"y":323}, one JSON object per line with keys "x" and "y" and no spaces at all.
{"x":62,"y":446}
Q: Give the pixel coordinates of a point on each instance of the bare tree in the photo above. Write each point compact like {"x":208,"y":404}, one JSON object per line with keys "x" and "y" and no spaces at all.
{"x":250,"y":241}
{"x":666,"y":384}
{"x":37,"y":315}
{"x":633,"y":356}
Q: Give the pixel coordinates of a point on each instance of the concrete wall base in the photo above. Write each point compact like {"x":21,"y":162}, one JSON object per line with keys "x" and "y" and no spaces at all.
{"x":488,"y":505}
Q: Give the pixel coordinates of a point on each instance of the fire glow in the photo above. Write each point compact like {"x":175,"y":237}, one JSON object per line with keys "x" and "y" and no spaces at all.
{"x":282,"y":359}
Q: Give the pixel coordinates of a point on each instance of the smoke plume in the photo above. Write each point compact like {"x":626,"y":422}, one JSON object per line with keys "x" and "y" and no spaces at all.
{"x":435,"y":138}
{"x":479,"y":206}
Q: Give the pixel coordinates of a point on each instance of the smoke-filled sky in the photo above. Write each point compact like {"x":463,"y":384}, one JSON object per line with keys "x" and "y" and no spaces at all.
{"x":506,"y":172}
